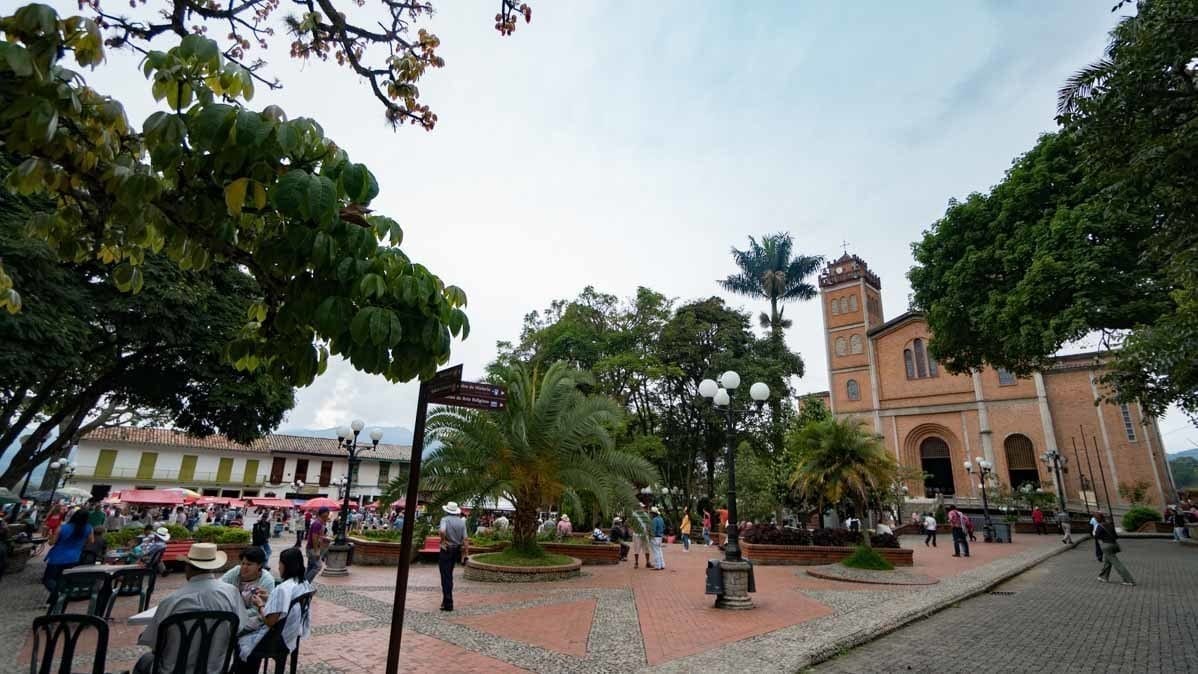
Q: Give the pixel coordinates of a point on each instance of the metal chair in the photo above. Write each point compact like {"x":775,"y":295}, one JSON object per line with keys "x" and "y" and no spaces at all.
{"x":92,"y":586}
{"x":131,"y":583}
{"x":274,"y":649}
{"x":49,"y":631}
{"x":153,"y":564}
{"x":185,"y":642}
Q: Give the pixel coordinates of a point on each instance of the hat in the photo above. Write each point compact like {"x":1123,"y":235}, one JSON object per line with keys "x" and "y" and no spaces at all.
{"x":654,"y":510}
{"x":452,"y":508}
{"x":565,"y":518}
{"x":163,"y":533}
{"x":206,"y":556}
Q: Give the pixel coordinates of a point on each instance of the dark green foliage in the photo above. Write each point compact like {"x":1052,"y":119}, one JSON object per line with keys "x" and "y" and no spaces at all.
{"x":1136,"y":517}
{"x":768,"y":534}
{"x":523,"y":557}
{"x":1185,"y":472}
{"x":865,"y":557}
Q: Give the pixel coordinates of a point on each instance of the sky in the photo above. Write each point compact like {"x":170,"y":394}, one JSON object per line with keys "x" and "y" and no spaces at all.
{"x":625,"y":144}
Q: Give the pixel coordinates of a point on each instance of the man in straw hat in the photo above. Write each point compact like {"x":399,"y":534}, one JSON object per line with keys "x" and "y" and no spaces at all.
{"x":453,"y":541}
{"x":204,"y":591}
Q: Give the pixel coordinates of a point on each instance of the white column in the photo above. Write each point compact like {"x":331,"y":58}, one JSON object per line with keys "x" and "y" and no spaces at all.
{"x":983,"y":418}
{"x":1050,"y":438}
{"x":973,"y":486}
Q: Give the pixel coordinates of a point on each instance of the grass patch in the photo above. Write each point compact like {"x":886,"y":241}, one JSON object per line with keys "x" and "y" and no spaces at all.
{"x":867,"y":558}
{"x":510,"y":557}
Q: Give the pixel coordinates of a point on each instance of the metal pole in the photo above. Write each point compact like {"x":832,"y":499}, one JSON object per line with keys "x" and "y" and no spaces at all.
{"x":1056,"y":465}
{"x":732,"y":547}
{"x":409,"y":522}
{"x":1105,"y":493}
{"x":988,"y":529}
{"x":351,"y":445}
{"x":1090,"y":467}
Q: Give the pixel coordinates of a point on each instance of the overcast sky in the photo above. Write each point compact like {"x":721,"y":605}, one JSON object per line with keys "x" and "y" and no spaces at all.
{"x":619,"y":144}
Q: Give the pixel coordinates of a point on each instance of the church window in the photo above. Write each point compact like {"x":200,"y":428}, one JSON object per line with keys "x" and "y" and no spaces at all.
{"x":910,"y":361}
{"x":1021,"y":461}
{"x":1128,"y":427}
{"x":933,"y":369}
{"x":855,"y":345}
{"x":853,"y":389}
{"x":921,"y":359}
{"x":841,"y":346}
{"x":835,"y":307}
{"x":844,"y":305}
{"x":1005,"y":378}
{"x":919,"y":364}
{"x":852,"y":303}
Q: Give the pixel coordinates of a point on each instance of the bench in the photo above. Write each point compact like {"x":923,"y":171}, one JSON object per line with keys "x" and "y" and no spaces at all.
{"x":432,"y":546}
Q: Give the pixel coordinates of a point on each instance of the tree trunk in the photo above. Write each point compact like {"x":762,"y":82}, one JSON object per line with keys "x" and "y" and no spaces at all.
{"x":524,"y":527}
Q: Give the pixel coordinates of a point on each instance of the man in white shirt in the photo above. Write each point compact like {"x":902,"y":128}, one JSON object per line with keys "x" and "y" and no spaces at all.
{"x":501,"y":523}
{"x":929,"y":528}
{"x":204,"y":591}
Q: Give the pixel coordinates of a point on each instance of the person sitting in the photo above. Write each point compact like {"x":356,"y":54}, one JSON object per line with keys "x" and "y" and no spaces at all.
{"x":598,"y":536}
{"x":501,"y":523}
{"x":250,"y":580}
{"x":620,"y":534}
{"x":94,"y":550}
{"x":152,"y":546}
{"x":202,"y":592}
{"x":563,"y":527}
{"x":884,"y":528}
{"x":274,"y":609}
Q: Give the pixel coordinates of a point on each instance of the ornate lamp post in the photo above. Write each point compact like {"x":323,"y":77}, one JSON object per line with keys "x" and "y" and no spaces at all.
{"x":1053,"y":458}
{"x":735,"y":570}
{"x":338,"y":556}
{"x":66,"y":472}
{"x":984,"y":468}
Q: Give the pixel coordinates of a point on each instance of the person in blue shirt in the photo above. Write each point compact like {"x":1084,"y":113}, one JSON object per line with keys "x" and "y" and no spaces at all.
{"x":66,"y":546}
{"x":659,"y":533}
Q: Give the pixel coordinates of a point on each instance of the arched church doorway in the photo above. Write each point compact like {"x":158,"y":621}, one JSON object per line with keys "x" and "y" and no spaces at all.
{"x":938,"y":466}
{"x":1021,"y":460}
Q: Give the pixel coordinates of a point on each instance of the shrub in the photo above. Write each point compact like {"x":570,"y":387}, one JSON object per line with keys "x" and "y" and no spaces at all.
{"x":178,"y":533}
{"x":207,"y":533}
{"x":867,"y":558}
{"x":1137,"y":516}
{"x":768,"y":534}
{"x":385,"y":535}
{"x":123,"y":538}
{"x":884,"y":541}
{"x":233,"y":536}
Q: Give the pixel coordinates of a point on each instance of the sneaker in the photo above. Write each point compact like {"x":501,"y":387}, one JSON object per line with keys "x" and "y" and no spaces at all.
{"x":1128,"y":583}
{"x":1103,"y":580}
{"x":955,"y":555}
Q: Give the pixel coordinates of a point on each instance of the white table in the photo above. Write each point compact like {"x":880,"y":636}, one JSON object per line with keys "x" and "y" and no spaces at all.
{"x":144,"y":618}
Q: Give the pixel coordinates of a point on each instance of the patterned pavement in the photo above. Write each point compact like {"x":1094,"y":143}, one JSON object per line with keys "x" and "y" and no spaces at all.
{"x":614,"y":618}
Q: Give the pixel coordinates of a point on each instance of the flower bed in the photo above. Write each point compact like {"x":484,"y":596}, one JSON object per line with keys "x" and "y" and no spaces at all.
{"x":503,"y":573}
{"x":589,"y":553}
{"x":814,"y":555}
{"x":376,"y":553}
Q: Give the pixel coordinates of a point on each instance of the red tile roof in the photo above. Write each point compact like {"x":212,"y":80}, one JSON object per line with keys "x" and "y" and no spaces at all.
{"x":271,"y":444}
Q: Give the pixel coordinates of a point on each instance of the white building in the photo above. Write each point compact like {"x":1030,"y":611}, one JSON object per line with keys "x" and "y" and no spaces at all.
{"x":116,"y":459}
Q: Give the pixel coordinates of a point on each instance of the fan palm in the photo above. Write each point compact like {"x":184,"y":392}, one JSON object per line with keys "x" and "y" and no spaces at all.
{"x":770,"y":270}
{"x":550,"y":443}
{"x":837,"y":460}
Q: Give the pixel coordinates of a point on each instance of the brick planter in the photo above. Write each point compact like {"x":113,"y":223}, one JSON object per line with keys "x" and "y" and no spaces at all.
{"x":815,"y":555}
{"x":496,"y":573}
{"x":590,"y":554}
{"x":233,"y":550}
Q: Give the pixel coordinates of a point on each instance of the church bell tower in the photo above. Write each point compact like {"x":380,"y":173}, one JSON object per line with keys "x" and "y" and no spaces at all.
{"x":851,"y":296}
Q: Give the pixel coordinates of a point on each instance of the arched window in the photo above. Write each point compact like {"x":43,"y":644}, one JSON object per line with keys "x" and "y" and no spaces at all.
{"x":852,"y":302}
{"x":937,"y":464}
{"x":853,"y":390}
{"x":841,"y":346}
{"x":855,"y":344}
{"x":921,"y":359}
{"x":1021,"y":460}
{"x":932,"y":369}
{"x":1005,"y":378}
{"x":835,"y":307}
{"x":844,"y":305}
{"x":909,"y":360}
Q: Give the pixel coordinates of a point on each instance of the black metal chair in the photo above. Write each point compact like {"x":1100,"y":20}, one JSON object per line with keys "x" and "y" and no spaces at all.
{"x":185,"y":642}
{"x":131,"y":583}
{"x":90,"y":586}
{"x":274,"y":649}
{"x":154,"y":564}
{"x":58,"y":635}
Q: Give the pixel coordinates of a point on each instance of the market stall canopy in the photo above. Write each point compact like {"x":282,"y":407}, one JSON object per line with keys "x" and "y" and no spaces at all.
{"x":271,"y":503}
{"x":151,"y":497}
{"x":187,"y":493}
{"x":322,"y":502}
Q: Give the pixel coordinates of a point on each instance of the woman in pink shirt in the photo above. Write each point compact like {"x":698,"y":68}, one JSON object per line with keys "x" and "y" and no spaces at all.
{"x":706,"y":527}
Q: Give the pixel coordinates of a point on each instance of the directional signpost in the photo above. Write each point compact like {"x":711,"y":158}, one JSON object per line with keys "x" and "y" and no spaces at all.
{"x":445,"y":388}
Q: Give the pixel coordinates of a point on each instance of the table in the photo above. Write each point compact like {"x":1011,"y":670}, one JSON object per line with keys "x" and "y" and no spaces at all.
{"x":109,"y":569}
{"x":144,"y":618}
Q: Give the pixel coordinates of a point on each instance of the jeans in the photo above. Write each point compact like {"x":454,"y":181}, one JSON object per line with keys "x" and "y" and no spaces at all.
{"x":707,"y":535}
{"x":1066,"y":534}
{"x":686,"y":541}
{"x":960,"y":540}
{"x":1040,"y":528}
{"x":1180,"y":533}
{"x":1111,"y":558}
{"x":931,"y":536}
{"x":266,"y":549}
{"x":659,"y":560}
{"x":313,"y":565}
{"x":446,"y":559}
{"x":1098,"y":549}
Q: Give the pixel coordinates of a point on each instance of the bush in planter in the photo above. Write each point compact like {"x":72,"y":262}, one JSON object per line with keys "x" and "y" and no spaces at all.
{"x":867,"y":558}
{"x":381,"y":535}
{"x":233,"y":536}
{"x":767,"y":534}
{"x":123,"y":538}
{"x":209,"y":533}
{"x":1137,"y":516}
{"x":178,"y":533}
{"x":884,"y":541}
{"x":835,"y":537}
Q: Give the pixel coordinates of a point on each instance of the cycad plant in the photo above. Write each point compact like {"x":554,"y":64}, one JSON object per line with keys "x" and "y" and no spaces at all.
{"x":551,"y":443}
{"x":839,"y":459}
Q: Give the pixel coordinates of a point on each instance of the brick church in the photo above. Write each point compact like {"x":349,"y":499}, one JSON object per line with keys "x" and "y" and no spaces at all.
{"x":880,"y":370}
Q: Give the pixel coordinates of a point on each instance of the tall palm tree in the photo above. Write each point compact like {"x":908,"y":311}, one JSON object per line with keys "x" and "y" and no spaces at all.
{"x":551,"y":443}
{"x":770,"y":270}
{"x":839,"y":459}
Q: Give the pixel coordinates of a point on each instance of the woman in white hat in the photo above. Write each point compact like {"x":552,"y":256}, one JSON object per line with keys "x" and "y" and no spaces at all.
{"x":453,"y":546}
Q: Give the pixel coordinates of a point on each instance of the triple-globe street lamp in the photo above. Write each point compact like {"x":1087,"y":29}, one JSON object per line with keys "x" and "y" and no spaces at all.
{"x":984,"y":469}
{"x":734,"y":569}
{"x":1053,"y":458}
{"x":338,"y":556}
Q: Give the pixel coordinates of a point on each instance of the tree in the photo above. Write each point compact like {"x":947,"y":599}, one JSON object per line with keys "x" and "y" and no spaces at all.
{"x":551,"y":443}
{"x":208,"y":179}
{"x":1185,"y":472}
{"x":839,"y":460}
{"x":91,"y":355}
{"x":769,"y":270}
{"x":1095,"y":230}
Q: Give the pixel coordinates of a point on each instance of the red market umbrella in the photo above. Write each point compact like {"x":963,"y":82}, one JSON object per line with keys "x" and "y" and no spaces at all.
{"x":271,"y":503}
{"x":322,"y":502}
{"x":151,"y":497}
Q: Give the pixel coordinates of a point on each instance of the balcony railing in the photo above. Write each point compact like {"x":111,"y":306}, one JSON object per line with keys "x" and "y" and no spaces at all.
{"x":174,"y":476}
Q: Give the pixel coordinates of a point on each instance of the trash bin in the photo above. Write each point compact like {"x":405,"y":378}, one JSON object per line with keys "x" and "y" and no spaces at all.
{"x":1002,"y":532}
{"x":715,"y":577}
{"x":349,"y":556}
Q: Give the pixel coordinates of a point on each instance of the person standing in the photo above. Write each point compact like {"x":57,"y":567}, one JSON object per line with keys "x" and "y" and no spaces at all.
{"x":1038,"y":521}
{"x":956,"y":520}
{"x":1178,"y":520}
{"x":1094,"y":533}
{"x":318,"y":543}
{"x":929,"y":529}
{"x":53,"y":520}
{"x":260,"y":536}
{"x":659,"y":533}
{"x":96,"y":516}
{"x":1063,"y":523}
{"x":641,"y":527}
{"x":685,"y":529}
{"x":706,"y":528}
{"x":66,"y":547}
{"x":1105,"y":534}
{"x":453,"y":541}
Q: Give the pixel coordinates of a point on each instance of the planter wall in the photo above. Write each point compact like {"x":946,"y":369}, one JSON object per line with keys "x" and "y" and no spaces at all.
{"x":814,"y":555}
{"x":496,"y":573}
{"x":376,"y":553}
{"x":590,"y":554}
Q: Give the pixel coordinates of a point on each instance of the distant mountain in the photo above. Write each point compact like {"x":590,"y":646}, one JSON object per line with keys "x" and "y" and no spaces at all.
{"x":1192,"y":453}
{"x":392,"y":435}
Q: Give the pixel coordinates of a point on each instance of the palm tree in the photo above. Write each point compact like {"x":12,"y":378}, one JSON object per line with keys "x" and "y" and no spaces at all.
{"x":769,"y":271}
{"x":550,"y":443}
{"x":837,"y":460}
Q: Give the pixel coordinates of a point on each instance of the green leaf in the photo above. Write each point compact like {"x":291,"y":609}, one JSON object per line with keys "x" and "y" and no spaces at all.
{"x":332,"y":314}
{"x":373,"y":284}
{"x":123,"y":276}
{"x":321,"y":199}
{"x":235,"y":195}
{"x":210,"y":127}
{"x":17,"y":58}
{"x":359,"y":327}
{"x":250,"y":130}
{"x":455,"y":296}
{"x":385,"y":329}
{"x":358,"y":183}
{"x":290,"y":193}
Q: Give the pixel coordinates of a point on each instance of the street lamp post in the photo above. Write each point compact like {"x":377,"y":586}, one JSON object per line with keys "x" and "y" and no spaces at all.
{"x":66,"y":472}
{"x":1053,"y":458}
{"x":734,"y":569}
{"x":338,"y":556}
{"x":984,"y":468}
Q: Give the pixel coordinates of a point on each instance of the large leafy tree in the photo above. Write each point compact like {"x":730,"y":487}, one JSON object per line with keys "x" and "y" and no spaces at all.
{"x":839,"y":460}
{"x":91,"y":355}
{"x":551,"y":443}
{"x":1095,"y":230}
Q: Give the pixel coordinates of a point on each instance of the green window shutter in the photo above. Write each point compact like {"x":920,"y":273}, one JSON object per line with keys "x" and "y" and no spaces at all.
{"x":187,"y":471}
{"x":384,"y":473}
{"x":104,"y":463}
{"x":251,"y":472}
{"x":145,"y":468}
{"x":225,"y":470}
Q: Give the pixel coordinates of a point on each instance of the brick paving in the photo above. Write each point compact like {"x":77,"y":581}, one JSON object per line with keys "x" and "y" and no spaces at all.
{"x":613,"y":618}
{"x":1058,"y":619}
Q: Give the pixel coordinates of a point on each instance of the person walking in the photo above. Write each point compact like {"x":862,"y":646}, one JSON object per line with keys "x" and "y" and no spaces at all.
{"x":260,"y":536}
{"x":66,"y":547}
{"x":1110,"y":552}
{"x":1178,"y":520}
{"x":453,"y":540}
{"x":641,"y":527}
{"x":1038,"y":521}
{"x":956,"y":519}
{"x":1094,"y":533}
{"x":706,"y":528}
{"x":1063,"y":523}
{"x":929,"y":528}
{"x":685,"y":529}
{"x":659,"y":533}
{"x":318,"y":543}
